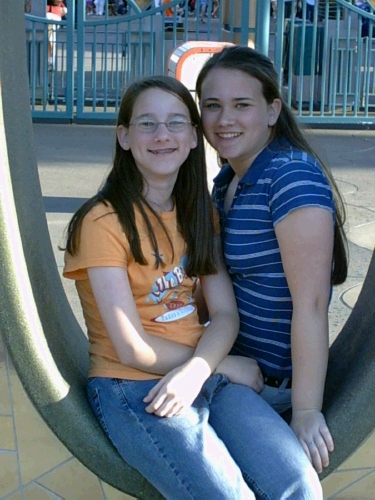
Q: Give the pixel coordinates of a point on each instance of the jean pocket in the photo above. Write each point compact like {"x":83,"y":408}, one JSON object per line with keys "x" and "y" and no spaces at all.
{"x":93,"y":396}
{"x":213,"y":385}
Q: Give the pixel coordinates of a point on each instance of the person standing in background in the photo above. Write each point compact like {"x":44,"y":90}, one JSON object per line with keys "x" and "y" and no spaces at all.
{"x":203,"y":9}
{"x":273,"y":8}
{"x":310,"y":7}
{"x":215,"y":8}
{"x":99,"y":7}
{"x":55,"y":11}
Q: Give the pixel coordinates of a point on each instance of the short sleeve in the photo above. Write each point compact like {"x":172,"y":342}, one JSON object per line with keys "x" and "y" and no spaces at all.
{"x":296,"y":184}
{"x":102,"y":244}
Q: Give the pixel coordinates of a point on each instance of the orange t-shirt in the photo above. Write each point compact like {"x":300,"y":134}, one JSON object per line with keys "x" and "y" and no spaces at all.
{"x":162,"y":296}
{"x":168,"y":12}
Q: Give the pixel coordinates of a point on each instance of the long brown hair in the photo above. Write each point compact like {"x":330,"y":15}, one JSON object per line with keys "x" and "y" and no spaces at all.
{"x":258,"y":66}
{"x":124,"y":185}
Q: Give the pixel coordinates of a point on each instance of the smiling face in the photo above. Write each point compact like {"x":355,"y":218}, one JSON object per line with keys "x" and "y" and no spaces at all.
{"x":159,"y":154}
{"x":237,"y":120}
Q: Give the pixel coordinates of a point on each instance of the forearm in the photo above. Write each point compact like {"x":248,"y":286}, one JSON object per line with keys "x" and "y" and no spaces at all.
{"x":216,"y":292}
{"x":144,"y":351}
{"x":157,"y":355}
{"x":218,"y":338}
{"x":309,"y":356}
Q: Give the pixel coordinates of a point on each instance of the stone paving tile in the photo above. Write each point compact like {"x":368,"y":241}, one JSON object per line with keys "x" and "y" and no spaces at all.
{"x":34,"y":438}
{"x":73,"y":480}
{"x":9,"y":473}
{"x":36,"y":492}
{"x":5,"y":402}
{"x":338,"y":481}
{"x":7,"y":441}
{"x":363,"y":489}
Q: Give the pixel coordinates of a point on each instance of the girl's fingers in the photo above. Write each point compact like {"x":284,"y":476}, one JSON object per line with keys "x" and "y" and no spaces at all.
{"x":153,"y":392}
{"x":326,"y":435}
{"x":170,"y":409}
{"x":315,"y":456}
{"x":306,"y":449}
{"x":156,"y":403}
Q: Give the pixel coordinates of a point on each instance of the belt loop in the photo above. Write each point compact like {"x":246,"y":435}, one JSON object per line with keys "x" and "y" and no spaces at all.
{"x":284,"y":384}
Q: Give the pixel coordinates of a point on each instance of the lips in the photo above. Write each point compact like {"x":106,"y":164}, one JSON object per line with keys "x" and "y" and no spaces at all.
{"x":162,"y":151}
{"x":228,"y":135}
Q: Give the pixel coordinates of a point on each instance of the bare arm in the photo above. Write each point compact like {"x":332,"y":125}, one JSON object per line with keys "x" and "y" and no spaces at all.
{"x":134,"y":347}
{"x":165,"y":398}
{"x":239,"y":369}
{"x":219,"y":297}
{"x":305,"y":239}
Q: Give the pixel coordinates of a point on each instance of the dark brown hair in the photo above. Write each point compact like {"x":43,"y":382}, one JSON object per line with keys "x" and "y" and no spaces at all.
{"x":124,"y":185}
{"x":258,"y":66}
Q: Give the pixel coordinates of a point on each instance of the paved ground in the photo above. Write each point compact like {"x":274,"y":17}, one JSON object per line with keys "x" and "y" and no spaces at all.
{"x":74,"y":159}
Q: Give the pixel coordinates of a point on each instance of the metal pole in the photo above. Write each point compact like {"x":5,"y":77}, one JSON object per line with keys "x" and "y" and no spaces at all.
{"x":262,"y":29}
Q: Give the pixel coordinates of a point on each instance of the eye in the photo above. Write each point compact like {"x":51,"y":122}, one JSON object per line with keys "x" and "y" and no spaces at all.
{"x":177,"y":125}
{"x":146,"y":125}
{"x":211,"y":105}
{"x":241,"y":105}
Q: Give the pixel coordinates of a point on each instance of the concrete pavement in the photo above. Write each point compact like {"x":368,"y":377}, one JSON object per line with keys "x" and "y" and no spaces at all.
{"x":74,"y":159}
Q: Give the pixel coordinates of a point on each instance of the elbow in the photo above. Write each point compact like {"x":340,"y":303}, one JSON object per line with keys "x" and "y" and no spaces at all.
{"x":316,"y":304}
{"x":127,"y":357}
{"x":230,"y":318}
{"x":133,"y":356}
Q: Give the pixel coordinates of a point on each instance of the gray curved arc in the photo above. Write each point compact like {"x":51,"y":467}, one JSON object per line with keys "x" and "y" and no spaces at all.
{"x":44,"y":340}
{"x":350,"y":390}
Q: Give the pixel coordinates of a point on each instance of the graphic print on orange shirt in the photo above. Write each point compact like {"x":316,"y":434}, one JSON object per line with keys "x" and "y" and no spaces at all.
{"x":167,"y":290}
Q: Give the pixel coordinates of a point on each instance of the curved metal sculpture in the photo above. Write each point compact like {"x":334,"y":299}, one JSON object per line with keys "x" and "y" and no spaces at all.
{"x":43,"y":338}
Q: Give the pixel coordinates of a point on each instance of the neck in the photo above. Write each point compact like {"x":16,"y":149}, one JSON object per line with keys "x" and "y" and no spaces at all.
{"x":161,"y":200}
{"x":166,"y":206}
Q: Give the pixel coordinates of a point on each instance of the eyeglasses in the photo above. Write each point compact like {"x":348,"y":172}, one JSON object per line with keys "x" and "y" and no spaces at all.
{"x":150,"y":126}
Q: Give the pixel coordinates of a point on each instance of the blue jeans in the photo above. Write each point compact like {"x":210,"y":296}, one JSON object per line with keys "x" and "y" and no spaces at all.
{"x":279,"y":398}
{"x":228,"y":444}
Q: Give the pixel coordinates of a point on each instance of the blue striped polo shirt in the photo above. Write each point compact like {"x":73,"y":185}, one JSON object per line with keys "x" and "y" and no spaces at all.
{"x":280,"y":180}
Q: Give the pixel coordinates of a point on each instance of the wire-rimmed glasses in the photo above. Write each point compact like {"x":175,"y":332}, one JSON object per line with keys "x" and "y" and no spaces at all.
{"x":150,"y":126}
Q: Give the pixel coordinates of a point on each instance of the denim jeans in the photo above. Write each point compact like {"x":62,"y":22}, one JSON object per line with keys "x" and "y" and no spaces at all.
{"x":228,"y":444}
{"x":278,"y":397}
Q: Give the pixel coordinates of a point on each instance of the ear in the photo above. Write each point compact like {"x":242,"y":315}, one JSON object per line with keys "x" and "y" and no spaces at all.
{"x":123,"y":137}
{"x":194,"y":138}
{"x":274,"y":111}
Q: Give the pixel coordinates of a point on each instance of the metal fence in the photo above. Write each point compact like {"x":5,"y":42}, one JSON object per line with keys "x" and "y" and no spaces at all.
{"x":326,"y":65}
{"x":325,"y":59}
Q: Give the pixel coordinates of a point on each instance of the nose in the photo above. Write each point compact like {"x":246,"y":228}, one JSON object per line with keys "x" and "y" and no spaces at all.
{"x":161,"y":132}
{"x":226,"y":116}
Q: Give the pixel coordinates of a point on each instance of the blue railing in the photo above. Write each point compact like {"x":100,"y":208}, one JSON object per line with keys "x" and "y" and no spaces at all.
{"x":326,"y":65}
